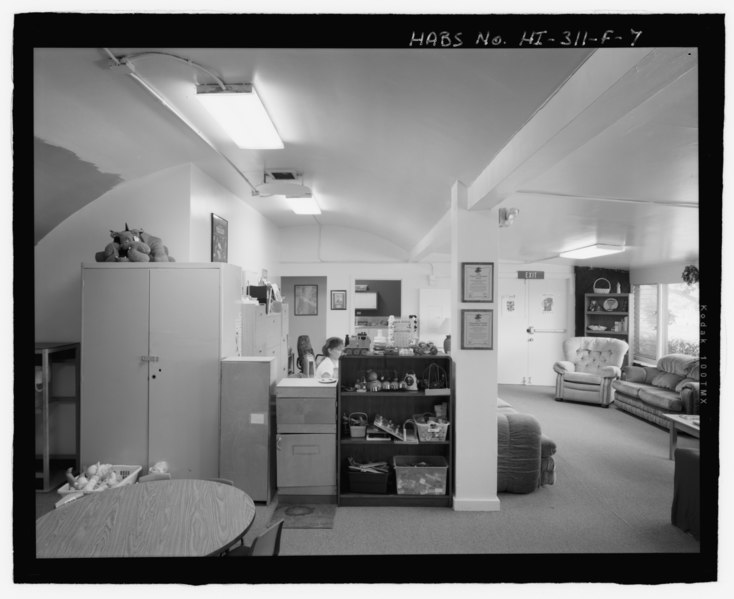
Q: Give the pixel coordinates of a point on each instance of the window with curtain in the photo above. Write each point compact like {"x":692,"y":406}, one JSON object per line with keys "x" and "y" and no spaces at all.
{"x":666,"y":321}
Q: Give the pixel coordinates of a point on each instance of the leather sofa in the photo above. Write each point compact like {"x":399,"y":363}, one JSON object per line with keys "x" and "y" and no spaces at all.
{"x":672,"y":386}
{"x":590,"y":366}
{"x":524,"y":455}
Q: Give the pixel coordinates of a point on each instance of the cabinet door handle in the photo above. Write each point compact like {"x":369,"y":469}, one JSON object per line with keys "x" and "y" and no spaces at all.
{"x":277,"y":442}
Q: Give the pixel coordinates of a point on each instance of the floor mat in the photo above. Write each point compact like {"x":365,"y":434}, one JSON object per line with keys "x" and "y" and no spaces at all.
{"x":296,"y":515}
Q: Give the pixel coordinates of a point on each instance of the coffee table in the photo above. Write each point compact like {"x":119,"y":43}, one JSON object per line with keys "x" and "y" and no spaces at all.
{"x":688,"y":423}
{"x":168,"y":518}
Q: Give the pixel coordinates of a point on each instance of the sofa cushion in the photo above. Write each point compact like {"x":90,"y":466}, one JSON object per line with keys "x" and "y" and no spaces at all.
{"x":667,"y":401}
{"x":587,"y":378}
{"x":693,"y":371}
{"x":629,"y":388}
{"x":679,"y":364}
{"x":501,"y":403}
{"x":667,"y":380}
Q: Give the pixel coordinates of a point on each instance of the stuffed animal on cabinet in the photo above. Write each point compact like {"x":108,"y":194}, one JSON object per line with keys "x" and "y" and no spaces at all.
{"x":134,"y":245}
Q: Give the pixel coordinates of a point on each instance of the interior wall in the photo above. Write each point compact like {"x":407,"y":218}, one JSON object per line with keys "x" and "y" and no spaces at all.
{"x":316,"y":243}
{"x":159,"y":204}
{"x":253,"y":240}
{"x":341,"y":276}
{"x":474,"y":238}
{"x":663,"y":273}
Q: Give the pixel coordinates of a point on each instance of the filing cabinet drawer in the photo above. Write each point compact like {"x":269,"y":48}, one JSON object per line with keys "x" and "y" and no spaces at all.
{"x":306,"y":460}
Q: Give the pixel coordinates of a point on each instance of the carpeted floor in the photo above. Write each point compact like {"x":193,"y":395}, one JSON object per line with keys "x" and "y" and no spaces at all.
{"x":612,"y":495}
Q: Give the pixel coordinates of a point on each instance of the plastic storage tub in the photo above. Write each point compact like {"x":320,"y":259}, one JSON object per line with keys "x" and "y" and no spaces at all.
{"x":420,"y":475}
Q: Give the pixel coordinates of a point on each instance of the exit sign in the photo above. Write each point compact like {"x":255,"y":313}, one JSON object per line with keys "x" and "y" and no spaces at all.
{"x":530,"y":274}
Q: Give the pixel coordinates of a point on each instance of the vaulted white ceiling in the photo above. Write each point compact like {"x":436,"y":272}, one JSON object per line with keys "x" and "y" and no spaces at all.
{"x":381,"y":135}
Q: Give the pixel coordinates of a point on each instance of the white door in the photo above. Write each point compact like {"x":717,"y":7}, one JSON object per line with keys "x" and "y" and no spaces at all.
{"x":533,"y":322}
{"x":184,"y":382}
{"x":512,"y":339}
{"x":547,"y":327}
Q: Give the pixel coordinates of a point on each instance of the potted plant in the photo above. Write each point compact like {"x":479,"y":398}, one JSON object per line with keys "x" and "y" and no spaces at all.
{"x":690,"y":274}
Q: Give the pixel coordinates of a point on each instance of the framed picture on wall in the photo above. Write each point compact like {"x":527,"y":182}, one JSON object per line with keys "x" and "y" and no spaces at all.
{"x":307,"y":300}
{"x":339,"y":299}
{"x":219,"y":238}
{"x":477,"y":281}
{"x":476,"y":329}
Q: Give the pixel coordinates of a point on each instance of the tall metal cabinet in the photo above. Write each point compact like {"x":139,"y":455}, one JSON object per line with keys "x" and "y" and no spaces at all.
{"x":247,"y":443}
{"x":152,"y":338}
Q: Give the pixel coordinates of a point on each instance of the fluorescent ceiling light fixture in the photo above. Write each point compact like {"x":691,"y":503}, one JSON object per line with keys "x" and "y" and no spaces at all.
{"x":283,"y":188}
{"x":241,"y":113}
{"x":592,"y":251}
{"x":304,"y":205}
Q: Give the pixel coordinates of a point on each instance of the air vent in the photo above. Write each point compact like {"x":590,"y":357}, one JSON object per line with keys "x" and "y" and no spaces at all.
{"x":282,"y":175}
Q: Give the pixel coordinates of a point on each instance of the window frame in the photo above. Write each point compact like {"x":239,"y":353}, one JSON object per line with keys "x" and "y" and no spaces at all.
{"x":662,"y":336}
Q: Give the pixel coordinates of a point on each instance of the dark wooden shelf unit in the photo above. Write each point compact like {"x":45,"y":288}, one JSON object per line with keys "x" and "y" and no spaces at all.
{"x":398,"y":406}
{"x":50,"y":466}
{"x":623,"y":313}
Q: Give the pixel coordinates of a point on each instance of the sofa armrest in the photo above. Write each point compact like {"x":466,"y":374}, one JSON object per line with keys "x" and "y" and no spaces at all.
{"x":610,"y":372}
{"x":690,"y":395}
{"x":634,"y":374}
{"x":564,"y":366}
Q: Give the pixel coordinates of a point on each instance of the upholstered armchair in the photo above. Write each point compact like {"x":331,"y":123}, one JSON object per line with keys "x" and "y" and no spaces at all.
{"x":591,"y":364}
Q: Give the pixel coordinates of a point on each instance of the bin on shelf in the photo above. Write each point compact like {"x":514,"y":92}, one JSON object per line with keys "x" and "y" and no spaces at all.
{"x":420,"y":475}
{"x":368,"y":482}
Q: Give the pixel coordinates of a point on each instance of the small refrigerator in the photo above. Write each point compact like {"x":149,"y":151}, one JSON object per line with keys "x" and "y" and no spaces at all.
{"x":247,"y":425}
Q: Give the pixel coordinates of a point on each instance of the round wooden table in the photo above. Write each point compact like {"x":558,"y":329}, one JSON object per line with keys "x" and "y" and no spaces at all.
{"x":174,"y":518}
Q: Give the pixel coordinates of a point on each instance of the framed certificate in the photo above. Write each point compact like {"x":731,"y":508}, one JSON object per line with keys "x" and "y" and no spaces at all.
{"x":476,"y":329}
{"x":477,"y":281}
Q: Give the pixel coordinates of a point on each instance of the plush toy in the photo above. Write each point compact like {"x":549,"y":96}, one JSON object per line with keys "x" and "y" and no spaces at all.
{"x":158,"y":251}
{"x":133,"y":245}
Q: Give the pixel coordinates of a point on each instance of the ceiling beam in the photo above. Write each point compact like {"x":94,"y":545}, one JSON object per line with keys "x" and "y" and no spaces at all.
{"x":438,"y":240}
{"x":542,"y":194}
{"x":607,"y":86}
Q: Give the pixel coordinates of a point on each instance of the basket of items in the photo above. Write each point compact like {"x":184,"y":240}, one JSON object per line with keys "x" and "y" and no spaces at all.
{"x":435,"y":380}
{"x":598,"y":289}
{"x":357,"y":425}
{"x":100,"y":477}
{"x":431,"y":428}
{"x":369,"y":477}
{"x":420,"y":475}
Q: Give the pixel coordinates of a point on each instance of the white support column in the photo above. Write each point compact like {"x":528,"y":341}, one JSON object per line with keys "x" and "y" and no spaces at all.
{"x":474,"y":238}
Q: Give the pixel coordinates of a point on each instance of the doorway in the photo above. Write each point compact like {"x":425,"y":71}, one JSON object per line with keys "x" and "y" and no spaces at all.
{"x":535,"y":317}
{"x":309,"y":317}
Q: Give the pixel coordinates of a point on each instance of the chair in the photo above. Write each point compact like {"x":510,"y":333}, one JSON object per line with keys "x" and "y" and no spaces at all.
{"x":266,"y":543}
{"x":685,"y":512}
{"x":591,"y":364}
{"x":304,"y":347}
